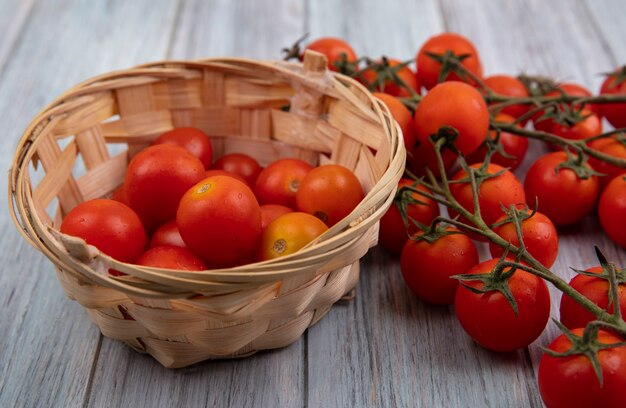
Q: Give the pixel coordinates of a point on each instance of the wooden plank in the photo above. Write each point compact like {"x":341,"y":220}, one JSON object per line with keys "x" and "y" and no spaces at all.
{"x":13,"y":15}
{"x":607,"y":17}
{"x":47,"y":344}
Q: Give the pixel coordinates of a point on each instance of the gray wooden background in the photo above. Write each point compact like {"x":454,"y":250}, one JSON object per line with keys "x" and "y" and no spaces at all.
{"x":382,"y":349}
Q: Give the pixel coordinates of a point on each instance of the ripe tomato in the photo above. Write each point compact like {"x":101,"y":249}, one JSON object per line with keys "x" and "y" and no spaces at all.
{"x":289,"y":233}
{"x":110,"y":226}
{"x":423,"y":157}
{"x":570,"y":89}
{"x":389,"y":87}
{"x":156,"y":179}
{"x":595,"y":289}
{"x":571,"y":382}
{"x":402,"y":115}
{"x":507,"y":85}
{"x":562,"y":195}
{"x":393,"y":232}
{"x":457,"y":105}
{"x":539,"y":234}
{"x":167,"y":234}
{"x":120,"y":195}
{"x":612,"y":146}
{"x":220,"y":220}
{"x":191,"y":139}
{"x":493,"y":193}
{"x":218,"y":172}
{"x":329,"y":192}
{"x":333,"y":48}
{"x":612,"y":210}
{"x":489,"y":319}
{"x":590,"y":126}
{"x":171,"y":257}
{"x":428,"y":69}
{"x":513,"y":145}
{"x":427,"y":267}
{"x":615,"y":84}
{"x":239,"y":163}
{"x":269,"y":212}
{"x":278,"y":183}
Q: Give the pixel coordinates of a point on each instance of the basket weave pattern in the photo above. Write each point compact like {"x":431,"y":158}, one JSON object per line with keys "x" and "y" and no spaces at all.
{"x":67,"y":156}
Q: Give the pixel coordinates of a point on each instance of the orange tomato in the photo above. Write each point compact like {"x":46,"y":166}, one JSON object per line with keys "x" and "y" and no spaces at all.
{"x":289,"y":233}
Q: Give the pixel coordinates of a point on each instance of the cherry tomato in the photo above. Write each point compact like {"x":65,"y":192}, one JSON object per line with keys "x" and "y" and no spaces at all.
{"x":171,"y":257}
{"x":570,"y":89}
{"x":612,"y":210}
{"x":539,"y":234}
{"x":333,"y":48}
{"x":239,"y":163}
{"x":423,"y":157}
{"x":110,"y":226}
{"x":220,"y":220}
{"x":571,"y":382}
{"x":269,"y":212}
{"x":428,"y":69}
{"x":489,"y":319}
{"x":289,"y":233}
{"x":278,"y":183}
{"x":457,"y":105}
{"x":120,"y":195}
{"x":218,"y":172}
{"x":389,"y":87}
{"x":513,"y":145}
{"x":427,"y":267}
{"x":330,"y":192}
{"x":191,"y":139}
{"x":595,"y":289}
{"x":612,"y":146}
{"x":393,"y":232}
{"x":493,"y":193}
{"x":402,"y":115}
{"x":167,"y":234}
{"x":156,"y":179}
{"x":562,"y":195}
{"x":507,"y":85}
{"x":615,"y":84}
{"x":590,"y":126}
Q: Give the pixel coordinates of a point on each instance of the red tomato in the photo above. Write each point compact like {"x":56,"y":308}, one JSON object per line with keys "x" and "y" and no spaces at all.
{"x":423,"y":157}
{"x":503,"y":190}
{"x":220,"y":220}
{"x":330,"y":192}
{"x":562,"y":195}
{"x":489,"y":319}
{"x":570,"y":89}
{"x":402,"y":115}
{"x":595,"y":289}
{"x":539,"y":234}
{"x":269,"y":212}
{"x":217,"y":172}
{"x":393,"y":232}
{"x":191,"y":139}
{"x":427,"y":267}
{"x":239,"y":163}
{"x":333,"y":48}
{"x":289,"y":233}
{"x":428,"y":69}
{"x":167,"y":234}
{"x":156,"y":179}
{"x":171,"y":257}
{"x":120,"y":195}
{"x":612,"y":210}
{"x":590,"y":126}
{"x":457,"y":105}
{"x":613,"y":147}
{"x":571,"y":382}
{"x":615,"y":84}
{"x":278,"y":183}
{"x":389,"y":87}
{"x":507,"y":85}
{"x":513,"y":145}
{"x":110,"y":226}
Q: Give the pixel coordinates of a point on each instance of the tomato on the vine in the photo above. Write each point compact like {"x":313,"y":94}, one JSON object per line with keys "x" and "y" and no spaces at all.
{"x":289,"y":233}
{"x":244,"y":165}
{"x":612,"y":210}
{"x":402,"y":115}
{"x":191,"y":139}
{"x":279,"y":182}
{"x":589,"y":126}
{"x":569,"y":89}
{"x":612,"y":146}
{"x":427,"y":267}
{"x":489,"y":318}
{"x":512,"y":145}
{"x":336,"y":51}
{"x":507,"y":85}
{"x":457,"y":105}
{"x":570,"y":381}
{"x":561,"y":194}
{"x":428,"y":70}
{"x":615,"y":84}
{"x":171,"y":257}
{"x":370,"y":78}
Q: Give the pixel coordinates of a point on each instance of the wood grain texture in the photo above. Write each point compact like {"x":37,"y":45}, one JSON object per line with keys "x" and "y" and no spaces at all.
{"x":607,"y":17}
{"x":13,"y":15}
{"x":47,"y":344}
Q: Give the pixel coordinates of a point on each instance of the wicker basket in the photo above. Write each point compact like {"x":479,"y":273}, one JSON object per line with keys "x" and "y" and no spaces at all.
{"x":181,"y":318}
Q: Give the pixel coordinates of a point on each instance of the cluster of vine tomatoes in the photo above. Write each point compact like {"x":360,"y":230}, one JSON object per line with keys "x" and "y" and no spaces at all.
{"x":561,"y":186}
{"x":177,"y":209}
